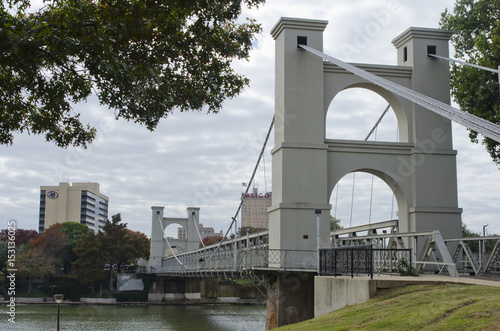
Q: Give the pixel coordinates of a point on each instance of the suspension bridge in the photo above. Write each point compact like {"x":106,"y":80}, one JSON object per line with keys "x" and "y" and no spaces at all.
{"x":420,"y":169}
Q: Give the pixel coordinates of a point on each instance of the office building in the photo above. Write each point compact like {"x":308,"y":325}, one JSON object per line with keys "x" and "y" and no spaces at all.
{"x":79,"y":202}
{"x":204,"y":232}
{"x":254,"y":210}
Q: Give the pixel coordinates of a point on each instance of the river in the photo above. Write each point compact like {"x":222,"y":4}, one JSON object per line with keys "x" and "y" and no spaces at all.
{"x":133,"y":317}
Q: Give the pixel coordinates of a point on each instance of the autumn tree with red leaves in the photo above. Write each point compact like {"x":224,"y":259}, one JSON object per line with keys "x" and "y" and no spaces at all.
{"x":21,"y":236}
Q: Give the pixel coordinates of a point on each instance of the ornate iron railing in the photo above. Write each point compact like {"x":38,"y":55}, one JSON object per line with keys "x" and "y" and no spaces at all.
{"x":356,"y":260}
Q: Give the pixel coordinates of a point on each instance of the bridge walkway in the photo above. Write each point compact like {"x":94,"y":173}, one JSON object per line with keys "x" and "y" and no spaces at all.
{"x":250,"y":254}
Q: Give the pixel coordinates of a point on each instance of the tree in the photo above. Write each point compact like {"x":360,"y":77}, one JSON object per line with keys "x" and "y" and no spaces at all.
{"x":51,"y":241}
{"x":112,"y":243}
{"x":467,"y":233}
{"x":143,"y":59}
{"x":335,"y":223}
{"x":243,"y":230}
{"x":73,"y":232}
{"x":4,"y":255}
{"x":22,"y":242}
{"x":89,"y":264}
{"x":22,"y":236}
{"x":121,"y":245}
{"x":476,"y":39}
{"x":138,"y":245}
{"x":211,"y":240}
{"x":33,"y":264}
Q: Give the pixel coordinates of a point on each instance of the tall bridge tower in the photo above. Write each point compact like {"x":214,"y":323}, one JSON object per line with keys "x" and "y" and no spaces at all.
{"x":420,"y":169}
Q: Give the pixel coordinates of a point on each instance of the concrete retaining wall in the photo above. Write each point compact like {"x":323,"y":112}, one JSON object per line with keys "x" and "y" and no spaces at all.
{"x":99,"y":300}
{"x":34,"y":300}
{"x":332,"y":293}
{"x":129,"y":282}
{"x":228,"y":299}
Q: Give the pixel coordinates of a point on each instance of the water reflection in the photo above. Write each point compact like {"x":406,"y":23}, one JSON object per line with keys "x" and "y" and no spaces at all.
{"x":144,"y":317}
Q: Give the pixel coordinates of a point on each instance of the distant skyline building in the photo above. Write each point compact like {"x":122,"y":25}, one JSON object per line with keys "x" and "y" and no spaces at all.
{"x":254,"y":210}
{"x":80,"y":202}
{"x":204,"y":232}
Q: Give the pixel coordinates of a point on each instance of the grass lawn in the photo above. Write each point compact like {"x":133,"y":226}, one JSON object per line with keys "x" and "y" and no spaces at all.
{"x":416,"y":307}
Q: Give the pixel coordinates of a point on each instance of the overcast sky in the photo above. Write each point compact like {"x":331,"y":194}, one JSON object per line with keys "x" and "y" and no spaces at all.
{"x":201,"y":160}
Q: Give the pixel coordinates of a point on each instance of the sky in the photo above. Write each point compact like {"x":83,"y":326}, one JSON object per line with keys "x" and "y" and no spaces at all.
{"x":195,"y":159}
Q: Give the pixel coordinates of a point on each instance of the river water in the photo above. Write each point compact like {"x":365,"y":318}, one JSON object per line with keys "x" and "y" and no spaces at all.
{"x":143,"y":317}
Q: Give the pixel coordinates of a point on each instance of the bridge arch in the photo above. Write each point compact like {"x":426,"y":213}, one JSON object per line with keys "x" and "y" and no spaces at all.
{"x":392,"y":184}
{"x":175,"y":242}
{"x":398,"y":106}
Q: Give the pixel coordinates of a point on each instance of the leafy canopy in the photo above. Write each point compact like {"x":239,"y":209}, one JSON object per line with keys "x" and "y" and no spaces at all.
{"x":35,"y":263}
{"x":476,"y":27}
{"x":51,"y":242}
{"x":142,"y":58}
{"x":89,"y":264}
{"x":21,"y":236}
{"x":74,"y":231}
{"x":120,"y":245}
{"x":335,"y":223}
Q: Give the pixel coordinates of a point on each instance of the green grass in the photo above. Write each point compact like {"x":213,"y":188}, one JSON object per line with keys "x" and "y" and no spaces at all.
{"x":22,"y":291}
{"x":68,"y":286}
{"x":416,"y":307}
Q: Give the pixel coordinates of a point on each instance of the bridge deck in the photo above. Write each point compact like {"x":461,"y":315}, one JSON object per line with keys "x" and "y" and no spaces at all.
{"x":250,"y":254}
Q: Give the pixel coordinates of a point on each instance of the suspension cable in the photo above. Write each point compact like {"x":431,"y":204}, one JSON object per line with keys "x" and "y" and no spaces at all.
{"x":336,"y":200}
{"x":352,"y":197}
{"x":464,"y":63}
{"x":198,"y":229}
{"x":265,"y":176}
{"x":378,"y":122}
{"x":371,"y":190}
{"x":392,"y":206}
{"x":166,"y":238}
{"x":480,"y":125}
{"x":469,"y":64}
{"x":248,"y":188}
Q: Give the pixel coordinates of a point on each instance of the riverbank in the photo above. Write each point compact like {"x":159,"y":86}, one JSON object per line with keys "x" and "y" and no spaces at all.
{"x":155,"y":290}
{"x":423,"y":303}
{"x":219,"y":301}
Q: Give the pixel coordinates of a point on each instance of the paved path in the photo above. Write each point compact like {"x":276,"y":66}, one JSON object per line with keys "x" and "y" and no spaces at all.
{"x":495,"y":282}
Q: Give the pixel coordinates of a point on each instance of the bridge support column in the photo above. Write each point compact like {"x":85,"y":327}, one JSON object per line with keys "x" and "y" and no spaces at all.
{"x":175,"y":289}
{"x":157,"y":290}
{"x":290,"y":299}
{"x":192,"y":289}
{"x":157,"y":249}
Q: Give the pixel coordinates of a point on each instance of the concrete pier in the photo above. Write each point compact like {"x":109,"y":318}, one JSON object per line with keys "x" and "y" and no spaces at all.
{"x":290,"y":299}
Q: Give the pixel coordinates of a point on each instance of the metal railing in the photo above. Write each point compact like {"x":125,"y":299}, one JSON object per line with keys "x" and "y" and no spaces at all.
{"x":365,"y":259}
{"x":429,"y":251}
{"x":224,"y":262}
{"x":479,"y":254}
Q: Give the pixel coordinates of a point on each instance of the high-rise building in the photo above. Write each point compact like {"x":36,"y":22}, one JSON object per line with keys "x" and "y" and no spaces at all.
{"x":80,"y":202}
{"x":254,"y":210}
{"x":204,"y":232}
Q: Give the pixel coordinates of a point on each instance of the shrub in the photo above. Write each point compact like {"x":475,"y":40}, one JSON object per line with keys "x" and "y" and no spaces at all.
{"x":404,"y":268}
